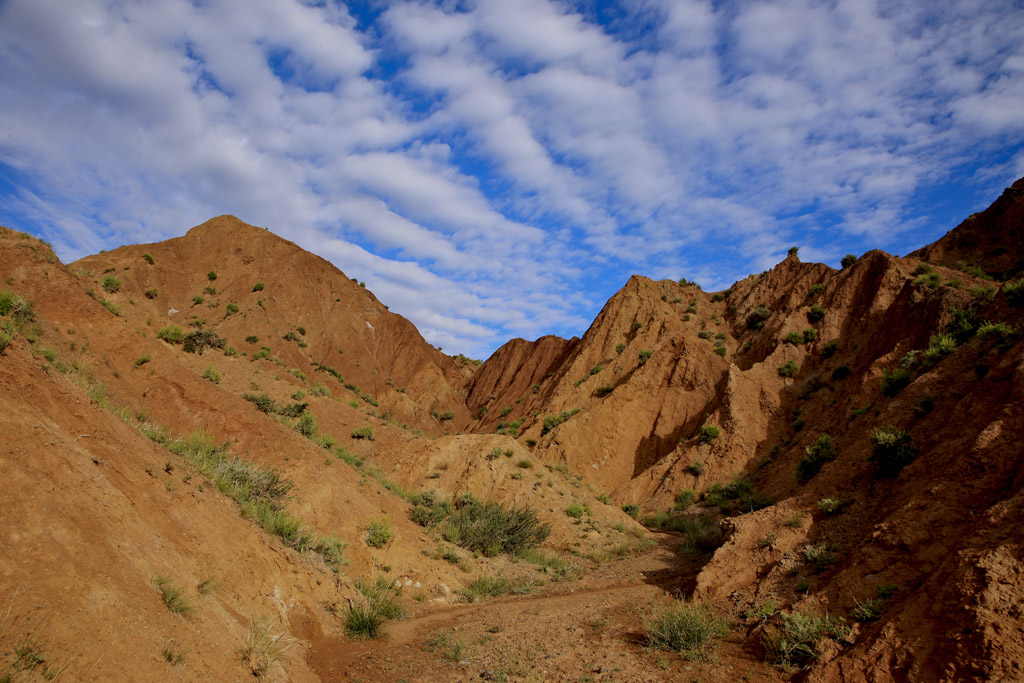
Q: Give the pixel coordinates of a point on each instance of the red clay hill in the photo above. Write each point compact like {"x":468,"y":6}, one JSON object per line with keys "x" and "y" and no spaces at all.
{"x":225,"y":459}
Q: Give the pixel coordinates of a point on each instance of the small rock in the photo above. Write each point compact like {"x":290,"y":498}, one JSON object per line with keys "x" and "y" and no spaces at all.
{"x":487,"y":674}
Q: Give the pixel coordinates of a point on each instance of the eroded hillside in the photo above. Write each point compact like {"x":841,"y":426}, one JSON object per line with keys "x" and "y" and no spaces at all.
{"x":229,"y":416}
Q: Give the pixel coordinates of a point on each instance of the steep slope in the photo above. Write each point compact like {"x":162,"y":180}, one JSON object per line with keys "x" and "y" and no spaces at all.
{"x":990,"y":240}
{"x":923,"y":354}
{"x":143,"y":477}
{"x":245,"y":283}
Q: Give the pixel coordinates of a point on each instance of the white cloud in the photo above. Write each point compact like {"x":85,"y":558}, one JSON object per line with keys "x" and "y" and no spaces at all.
{"x":494,"y":168}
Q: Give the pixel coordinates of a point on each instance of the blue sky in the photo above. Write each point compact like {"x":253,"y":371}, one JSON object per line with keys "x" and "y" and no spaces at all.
{"x":499,"y":168}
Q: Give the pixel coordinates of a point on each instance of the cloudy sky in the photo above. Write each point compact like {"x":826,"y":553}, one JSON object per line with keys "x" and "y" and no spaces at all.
{"x":498,"y":168}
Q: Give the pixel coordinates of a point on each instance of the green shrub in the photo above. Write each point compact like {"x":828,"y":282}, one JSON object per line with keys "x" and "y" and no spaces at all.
{"x":20,"y":309}
{"x":1014,"y":292}
{"x":366,"y":618}
{"x":258,"y":287}
{"x":379,"y":532}
{"x":575,"y":510}
{"x":983,"y":294}
{"x":631,"y":509}
{"x":211,"y":276}
{"x":481,"y":525}
{"x":822,"y":451}
{"x":211,"y":374}
{"x":830,"y":506}
{"x":200,"y":340}
{"x":196,"y":300}
{"x":809,"y":335}
{"x":686,"y":628}
{"x":893,"y":449}
{"x":815,"y":314}
{"x":231,"y":308}
{"x":869,"y":610}
{"x":685,"y":498}
{"x":263,"y":403}
{"x":363,"y":433}
{"x":736,"y":496}
{"x":795,"y":338}
{"x":848,"y":261}
{"x":895,"y":381}
{"x":111,"y":284}
{"x":793,"y":251}
{"x":757,"y":317}
{"x":707,"y":433}
{"x":147,"y":258}
{"x":829,"y":349}
{"x":486,"y":587}
{"x":696,"y":468}
{"x":788,"y":369}
{"x":552,"y":421}
{"x":798,"y":640}
{"x":705,"y":334}
{"x":306,"y":425}
{"x":996,"y":330}
{"x":5,"y":341}
{"x":619,"y":348}
{"x":604,"y":390}
{"x":151,"y":293}
{"x":644,"y":355}
{"x":702,"y":532}
{"x":171,"y":334}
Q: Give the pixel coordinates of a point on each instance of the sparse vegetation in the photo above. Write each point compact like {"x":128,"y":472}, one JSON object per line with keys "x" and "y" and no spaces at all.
{"x":363,"y":433}
{"x":262,"y":650}
{"x":200,"y":340}
{"x":757,"y":317}
{"x":893,"y":450}
{"x":1014,"y":292}
{"x":366,"y":618}
{"x":707,"y":433}
{"x":110,"y":284}
{"x":848,"y":261}
{"x":797,"y":639}
{"x":147,"y":258}
{"x":151,"y":293}
{"x":894,"y":381}
{"x":173,"y":598}
{"x":211,"y":374}
{"x":379,"y":532}
{"x":788,"y":369}
{"x":575,"y":510}
{"x":686,"y":628}
{"x":815,"y":314}
{"x":736,"y":496}
{"x":644,"y":355}
{"x":484,"y":526}
{"x":486,"y":586}
{"x":830,"y":506}
{"x":696,"y":468}
{"x":258,"y":287}
{"x":820,"y":452}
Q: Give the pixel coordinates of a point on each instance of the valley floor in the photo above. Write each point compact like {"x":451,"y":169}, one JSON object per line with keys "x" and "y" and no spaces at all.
{"x":589,"y":629}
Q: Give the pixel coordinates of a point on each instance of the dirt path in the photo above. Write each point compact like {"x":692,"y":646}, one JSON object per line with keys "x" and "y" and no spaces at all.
{"x":585,"y":630}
